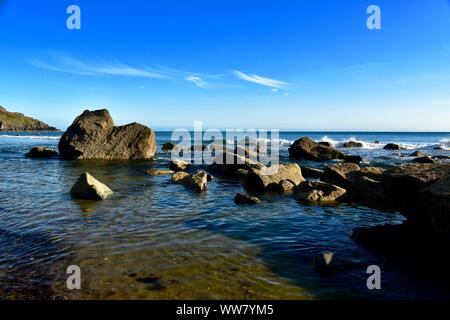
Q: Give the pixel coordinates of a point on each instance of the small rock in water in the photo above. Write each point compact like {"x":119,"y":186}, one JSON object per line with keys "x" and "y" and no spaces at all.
{"x":179,"y":165}
{"x":307,"y":149}
{"x":41,"y":152}
{"x":352,"y":144}
{"x":179,"y":176}
{"x":156,"y":172}
{"x":168,"y":146}
{"x":246,"y":199}
{"x":328,"y":264}
{"x":89,"y":188}
{"x":196,"y":181}
{"x":391,"y":146}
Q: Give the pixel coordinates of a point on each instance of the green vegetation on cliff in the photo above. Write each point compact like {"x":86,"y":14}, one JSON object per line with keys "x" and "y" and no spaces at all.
{"x":15,"y":121}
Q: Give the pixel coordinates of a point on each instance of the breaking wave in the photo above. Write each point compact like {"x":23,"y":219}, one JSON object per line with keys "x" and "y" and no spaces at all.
{"x":30,"y":137}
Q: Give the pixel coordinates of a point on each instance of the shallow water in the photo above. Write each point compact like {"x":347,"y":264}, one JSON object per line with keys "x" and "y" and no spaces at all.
{"x":155,"y":240}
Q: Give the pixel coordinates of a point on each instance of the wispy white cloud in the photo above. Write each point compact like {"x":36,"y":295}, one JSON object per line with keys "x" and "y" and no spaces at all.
{"x":67,"y":64}
{"x":64,"y":63}
{"x":272,"y":83}
{"x":198,"y":81}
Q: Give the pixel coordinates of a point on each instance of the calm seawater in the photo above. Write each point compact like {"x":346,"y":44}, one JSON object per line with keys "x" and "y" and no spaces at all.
{"x":156,"y":240}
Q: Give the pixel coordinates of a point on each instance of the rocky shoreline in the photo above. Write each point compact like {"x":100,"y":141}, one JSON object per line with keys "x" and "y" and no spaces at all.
{"x":420,"y":191}
{"x":17,"y":122}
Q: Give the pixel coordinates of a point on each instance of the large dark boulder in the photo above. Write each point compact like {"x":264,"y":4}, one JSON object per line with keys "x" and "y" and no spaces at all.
{"x":436,"y":205}
{"x":168,"y":146}
{"x":403,"y":185}
{"x":391,"y":146}
{"x":93,"y":135}
{"x":308,"y":149}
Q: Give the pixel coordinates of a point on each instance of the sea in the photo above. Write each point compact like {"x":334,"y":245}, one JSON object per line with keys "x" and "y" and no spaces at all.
{"x":156,"y":240}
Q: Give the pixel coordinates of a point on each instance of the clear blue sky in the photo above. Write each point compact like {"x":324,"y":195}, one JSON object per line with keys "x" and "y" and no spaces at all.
{"x":297,"y":65}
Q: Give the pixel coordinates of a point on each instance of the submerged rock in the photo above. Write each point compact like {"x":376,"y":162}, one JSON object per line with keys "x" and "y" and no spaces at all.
{"x":318,"y":192}
{"x":328,"y":264}
{"x":308,"y":149}
{"x":268,"y":179}
{"x":41,"y":152}
{"x":89,"y":188}
{"x":156,"y":172}
{"x":93,"y":135}
{"x":246,"y":199}
{"x":391,"y":146}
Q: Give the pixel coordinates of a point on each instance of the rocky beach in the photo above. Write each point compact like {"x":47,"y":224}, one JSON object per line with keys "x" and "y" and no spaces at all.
{"x":176,"y":223}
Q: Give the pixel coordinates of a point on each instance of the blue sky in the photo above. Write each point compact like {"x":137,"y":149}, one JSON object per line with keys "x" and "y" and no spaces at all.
{"x":291,"y":65}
